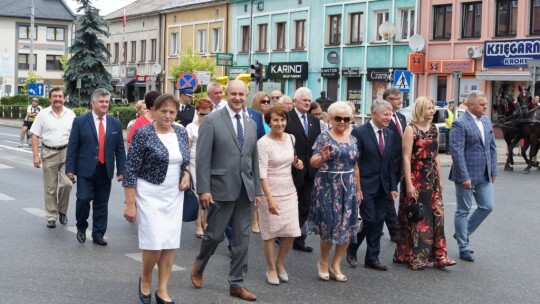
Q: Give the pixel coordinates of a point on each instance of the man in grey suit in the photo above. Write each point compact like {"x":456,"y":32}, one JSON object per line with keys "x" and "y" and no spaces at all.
{"x":228,"y":184}
{"x":474,"y":169}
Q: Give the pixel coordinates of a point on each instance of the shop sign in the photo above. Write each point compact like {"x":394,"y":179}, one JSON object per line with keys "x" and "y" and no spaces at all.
{"x":381,"y":74}
{"x":465,"y":66}
{"x":416,"y":62}
{"x":224,"y":59}
{"x":131,"y":72}
{"x":350,"y":72}
{"x":236,"y":70}
{"x":510,"y":53}
{"x":330,"y":72}
{"x":288,"y":70}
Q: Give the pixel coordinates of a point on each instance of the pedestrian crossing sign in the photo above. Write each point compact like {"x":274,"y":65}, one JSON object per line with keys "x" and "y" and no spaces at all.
{"x":402,"y":81}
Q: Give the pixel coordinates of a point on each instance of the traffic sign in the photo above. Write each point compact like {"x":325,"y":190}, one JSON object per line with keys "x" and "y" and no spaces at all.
{"x":402,"y":80}
{"x":186,"y":80}
{"x":224,"y":59}
{"x":36,"y":89}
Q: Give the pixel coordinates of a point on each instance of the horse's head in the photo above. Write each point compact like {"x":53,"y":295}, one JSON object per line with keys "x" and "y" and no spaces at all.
{"x":524,"y":97}
{"x":507,"y":108}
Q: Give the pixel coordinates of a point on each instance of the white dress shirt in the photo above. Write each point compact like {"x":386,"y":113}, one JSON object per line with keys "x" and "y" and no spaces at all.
{"x":480,"y":125}
{"x":96,"y":123}
{"x":233,"y":119}
{"x":52,"y":129}
{"x":376,"y":129}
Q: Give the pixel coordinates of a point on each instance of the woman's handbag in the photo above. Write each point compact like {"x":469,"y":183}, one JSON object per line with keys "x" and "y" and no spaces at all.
{"x":191,"y":202}
{"x":414,"y":212}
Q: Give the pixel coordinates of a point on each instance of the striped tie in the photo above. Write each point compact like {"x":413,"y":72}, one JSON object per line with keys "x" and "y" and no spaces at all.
{"x":305,"y":124}
{"x":239,"y":131}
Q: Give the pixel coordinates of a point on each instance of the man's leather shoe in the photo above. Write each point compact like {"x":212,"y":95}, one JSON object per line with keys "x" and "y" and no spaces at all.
{"x":466,"y":256}
{"x":376,"y":265}
{"x":81,"y":236}
{"x":302,"y":247}
{"x":351,"y":259}
{"x":51,"y":224}
{"x":100,"y":242}
{"x":455,"y":237}
{"x":243,"y":294}
{"x":196,"y":276}
{"x":62,"y":219}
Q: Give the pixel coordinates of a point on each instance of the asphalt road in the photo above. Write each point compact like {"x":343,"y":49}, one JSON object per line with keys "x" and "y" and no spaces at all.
{"x":41,"y":265}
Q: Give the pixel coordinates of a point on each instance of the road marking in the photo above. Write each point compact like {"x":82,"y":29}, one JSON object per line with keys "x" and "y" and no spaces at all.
{"x":2,"y":166}
{"x":455,"y":204}
{"x":88,"y":232}
{"x":8,"y":134}
{"x":15,"y":149}
{"x":138,"y":257}
{"x":35,"y":211}
{"x":4,"y":197}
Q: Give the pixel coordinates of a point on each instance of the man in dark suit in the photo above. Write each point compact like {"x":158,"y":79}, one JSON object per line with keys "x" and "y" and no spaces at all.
{"x":305,"y":128}
{"x":186,"y":112}
{"x":95,"y":142}
{"x":474,"y":169}
{"x":228,"y":184}
{"x":376,"y":145}
{"x":397,"y":125}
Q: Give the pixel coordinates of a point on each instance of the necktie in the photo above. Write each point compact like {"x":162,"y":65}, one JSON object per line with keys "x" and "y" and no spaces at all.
{"x":305,"y":124}
{"x":101,"y":141}
{"x":381,"y":143}
{"x":182,"y":108}
{"x":239,"y":131}
{"x":398,"y":125}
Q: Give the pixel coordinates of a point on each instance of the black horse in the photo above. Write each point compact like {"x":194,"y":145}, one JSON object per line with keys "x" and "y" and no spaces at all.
{"x":508,"y":114}
{"x":529,"y":127}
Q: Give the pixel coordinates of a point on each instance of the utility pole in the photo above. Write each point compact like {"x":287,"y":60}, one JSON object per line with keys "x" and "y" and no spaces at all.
{"x":31,"y":59}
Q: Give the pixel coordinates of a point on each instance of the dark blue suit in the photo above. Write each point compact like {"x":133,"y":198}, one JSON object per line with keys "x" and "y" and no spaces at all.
{"x":378,"y":180}
{"x":94,"y":180}
{"x":258,"y":119}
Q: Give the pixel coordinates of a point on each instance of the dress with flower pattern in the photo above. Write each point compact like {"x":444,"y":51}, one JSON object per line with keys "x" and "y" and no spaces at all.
{"x":422,"y":242}
{"x":333,"y":213}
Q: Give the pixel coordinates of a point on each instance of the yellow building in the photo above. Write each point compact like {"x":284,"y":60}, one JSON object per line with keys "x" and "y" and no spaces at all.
{"x":203,"y":25}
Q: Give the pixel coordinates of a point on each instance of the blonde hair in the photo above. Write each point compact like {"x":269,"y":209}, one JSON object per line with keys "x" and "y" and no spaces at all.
{"x":139,"y":105}
{"x":419,"y":109}
{"x":256,"y":103}
{"x":340,"y":108}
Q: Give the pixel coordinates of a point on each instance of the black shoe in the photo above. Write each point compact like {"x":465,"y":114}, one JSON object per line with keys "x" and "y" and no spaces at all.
{"x":302,"y":247}
{"x":393,"y":238}
{"x":81,"y":236}
{"x":101,"y":242}
{"x":51,"y":224}
{"x":351,"y":259}
{"x":466,"y":256}
{"x":145,"y":299}
{"x":62,"y":219}
{"x":455,"y":237}
{"x":161,"y":301}
{"x":376,"y":265}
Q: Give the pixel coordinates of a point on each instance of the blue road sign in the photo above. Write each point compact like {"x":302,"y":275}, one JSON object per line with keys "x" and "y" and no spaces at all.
{"x":402,"y":81}
{"x":186,"y":80}
{"x":36,"y":89}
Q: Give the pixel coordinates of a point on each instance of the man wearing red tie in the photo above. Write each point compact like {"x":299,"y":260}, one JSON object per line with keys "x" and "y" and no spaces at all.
{"x":95,"y":142}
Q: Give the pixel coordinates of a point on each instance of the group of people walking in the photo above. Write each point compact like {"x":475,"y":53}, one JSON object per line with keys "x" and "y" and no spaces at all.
{"x":277,"y":161}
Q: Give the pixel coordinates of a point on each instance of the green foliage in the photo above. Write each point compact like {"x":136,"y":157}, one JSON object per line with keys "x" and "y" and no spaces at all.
{"x":33,"y":77}
{"x":191,"y":61}
{"x":64,"y":62}
{"x":125,"y":114}
{"x":20,"y":100}
{"x":16,"y":112}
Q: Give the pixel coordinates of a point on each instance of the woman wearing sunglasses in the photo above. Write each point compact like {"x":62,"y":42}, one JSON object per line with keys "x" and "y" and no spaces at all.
{"x":334,"y":207}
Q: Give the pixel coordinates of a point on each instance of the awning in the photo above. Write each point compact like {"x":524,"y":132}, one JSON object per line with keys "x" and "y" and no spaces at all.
{"x":139,"y":84}
{"x":124,"y":82}
{"x":504,"y":75}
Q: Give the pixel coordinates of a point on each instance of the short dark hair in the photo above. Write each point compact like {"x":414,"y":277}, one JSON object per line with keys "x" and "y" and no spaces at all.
{"x":56,"y":89}
{"x":164,"y":99}
{"x":313,"y":106}
{"x":150,"y":98}
{"x":391,"y":91}
{"x":279,"y":110}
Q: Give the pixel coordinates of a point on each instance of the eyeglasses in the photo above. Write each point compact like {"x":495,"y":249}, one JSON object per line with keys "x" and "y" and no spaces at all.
{"x":203,"y":114}
{"x":394,"y":98}
{"x":275,"y":97}
{"x":344,"y":119}
{"x":265,"y":101}
{"x":316,"y":114}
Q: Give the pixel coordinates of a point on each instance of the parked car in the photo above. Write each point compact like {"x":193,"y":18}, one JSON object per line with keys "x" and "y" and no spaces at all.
{"x":438,"y":120}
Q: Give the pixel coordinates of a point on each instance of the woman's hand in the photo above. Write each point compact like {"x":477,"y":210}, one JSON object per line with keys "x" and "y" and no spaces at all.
{"x":272,"y":207}
{"x":184,"y":183}
{"x":298,"y":164}
{"x":411,"y":191}
{"x":326,"y":152}
{"x":441,"y":186}
{"x":130,"y":213}
{"x":359,"y":197}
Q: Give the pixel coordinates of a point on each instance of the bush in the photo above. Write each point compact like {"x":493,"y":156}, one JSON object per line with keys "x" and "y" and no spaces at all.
{"x":16,"y":112}
{"x":23,"y":100}
{"x":125,"y":114}
{"x":6,"y":100}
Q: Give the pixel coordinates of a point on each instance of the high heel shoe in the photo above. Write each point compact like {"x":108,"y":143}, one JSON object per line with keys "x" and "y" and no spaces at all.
{"x":325,"y":276}
{"x":337,"y":277}
{"x":145,"y":299}
{"x":272,"y":281}
{"x":444,"y":262}
{"x":283,"y":277}
{"x":161,"y":301}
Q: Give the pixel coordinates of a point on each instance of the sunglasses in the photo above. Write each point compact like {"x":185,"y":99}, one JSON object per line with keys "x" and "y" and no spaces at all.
{"x":344,"y":119}
{"x":203,"y":114}
{"x":265,"y":101}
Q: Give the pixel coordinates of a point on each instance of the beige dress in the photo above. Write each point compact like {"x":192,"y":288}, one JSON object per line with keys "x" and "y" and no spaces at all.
{"x":275,"y":164}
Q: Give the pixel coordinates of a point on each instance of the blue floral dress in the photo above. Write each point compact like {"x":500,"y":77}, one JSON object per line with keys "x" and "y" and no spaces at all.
{"x":333,"y":213}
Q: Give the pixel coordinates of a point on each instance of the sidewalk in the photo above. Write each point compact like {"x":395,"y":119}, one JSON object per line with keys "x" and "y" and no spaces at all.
{"x":446,"y":160}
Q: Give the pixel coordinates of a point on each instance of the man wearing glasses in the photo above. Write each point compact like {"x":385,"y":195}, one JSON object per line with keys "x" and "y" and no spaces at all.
{"x":275,"y":96}
{"x":31,"y":113}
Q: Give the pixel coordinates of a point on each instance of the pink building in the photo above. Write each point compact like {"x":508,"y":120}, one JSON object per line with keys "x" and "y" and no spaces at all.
{"x":489,"y":41}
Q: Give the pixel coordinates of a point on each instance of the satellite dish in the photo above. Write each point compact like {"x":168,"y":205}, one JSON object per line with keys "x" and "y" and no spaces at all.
{"x":156,"y":68}
{"x":417,"y":43}
{"x":333,"y":57}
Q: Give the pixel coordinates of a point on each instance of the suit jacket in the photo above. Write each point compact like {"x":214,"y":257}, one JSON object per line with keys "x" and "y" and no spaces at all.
{"x":472,"y":159}
{"x":303,"y":144}
{"x":258,"y":119}
{"x":392,"y":126}
{"x":222,"y":167}
{"x":148,"y":158}
{"x":376,"y":171}
{"x":82,"y":150}
{"x":185,"y":117}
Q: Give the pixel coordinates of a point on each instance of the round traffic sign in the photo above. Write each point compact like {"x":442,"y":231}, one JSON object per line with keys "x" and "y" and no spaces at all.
{"x":186,"y":80}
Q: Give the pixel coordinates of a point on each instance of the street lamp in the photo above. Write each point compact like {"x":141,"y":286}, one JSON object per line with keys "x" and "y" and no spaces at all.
{"x":387,"y":30}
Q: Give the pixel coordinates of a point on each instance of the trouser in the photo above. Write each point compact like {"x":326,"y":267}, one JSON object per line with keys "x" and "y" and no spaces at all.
{"x":304,"y":200}
{"x":56,"y":184}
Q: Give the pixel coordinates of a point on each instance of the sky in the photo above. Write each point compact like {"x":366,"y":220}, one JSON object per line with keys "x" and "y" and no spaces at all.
{"x":105,"y":6}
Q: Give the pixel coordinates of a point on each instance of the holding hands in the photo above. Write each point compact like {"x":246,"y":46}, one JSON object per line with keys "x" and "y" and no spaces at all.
{"x":298,"y":164}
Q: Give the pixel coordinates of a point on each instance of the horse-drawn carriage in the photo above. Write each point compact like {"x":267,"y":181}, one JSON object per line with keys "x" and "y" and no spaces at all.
{"x":519,"y":119}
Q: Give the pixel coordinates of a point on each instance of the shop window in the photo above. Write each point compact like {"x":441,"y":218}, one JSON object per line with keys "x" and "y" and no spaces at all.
{"x":300,"y":26}
{"x":335,"y":30}
{"x":406,"y":28}
{"x":472,"y":20}
{"x":245,"y":38}
{"x":535,"y":17}
{"x":380,"y":18}
{"x":281,"y":35}
{"x":53,"y":63}
{"x":263,"y":30}
{"x":355,"y":28}
{"x":442,"y":22}
{"x":506,"y":17}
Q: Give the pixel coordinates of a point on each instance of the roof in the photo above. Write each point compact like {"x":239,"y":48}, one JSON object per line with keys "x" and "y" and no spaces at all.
{"x":139,"y":7}
{"x":44,"y":9}
{"x":178,"y":4}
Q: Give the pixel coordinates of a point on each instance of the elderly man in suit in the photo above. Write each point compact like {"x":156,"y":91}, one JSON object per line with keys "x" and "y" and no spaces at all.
{"x":474,"y":169}
{"x":377,"y":146}
{"x":228,"y":184}
{"x":95,"y":143}
{"x":305,"y":128}
{"x":186,"y":112}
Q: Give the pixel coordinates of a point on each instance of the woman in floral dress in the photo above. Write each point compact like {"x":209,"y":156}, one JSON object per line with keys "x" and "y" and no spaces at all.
{"x":422,"y":242}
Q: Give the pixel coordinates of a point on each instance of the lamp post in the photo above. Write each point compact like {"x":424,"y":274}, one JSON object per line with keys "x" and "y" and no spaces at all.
{"x":387,"y":30}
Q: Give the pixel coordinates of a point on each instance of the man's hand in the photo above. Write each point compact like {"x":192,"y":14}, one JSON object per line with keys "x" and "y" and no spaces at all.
{"x":493,"y":178}
{"x":70,"y":176}
{"x":393,"y":195}
{"x":205,"y":200}
{"x":119,"y":178}
{"x":37,"y":161}
{"x":467,"y":184}
{"x":257,"y":201}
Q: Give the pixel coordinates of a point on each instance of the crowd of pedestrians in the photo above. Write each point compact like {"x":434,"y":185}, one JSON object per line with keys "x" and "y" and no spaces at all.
{"x":276,"y":168}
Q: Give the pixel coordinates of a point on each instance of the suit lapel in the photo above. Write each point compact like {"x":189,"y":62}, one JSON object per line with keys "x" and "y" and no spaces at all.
{"x":228,"y":122}
{"x":374,"y":139}
{"x":92,"y":125}
{"x":296,"y":120}
{"x":475,"y":127}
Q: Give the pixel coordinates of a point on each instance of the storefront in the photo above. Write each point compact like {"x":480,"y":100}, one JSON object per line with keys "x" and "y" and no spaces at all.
{"x":381,"y":79}
{"x":354,"y":86}
{"x":282,"y":72}
{"x":332,"y":78}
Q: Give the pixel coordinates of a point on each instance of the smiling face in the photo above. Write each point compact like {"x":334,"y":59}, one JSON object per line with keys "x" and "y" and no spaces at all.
{"x":100,"y":105}
{"x":381,"y":117}
{"x":236,"y":95}
{"x":265,"y":103}
{"x":277,"y":123}
{"x":396,"y":101}
{"x":302,"y":103}
{"x":57,"y":100}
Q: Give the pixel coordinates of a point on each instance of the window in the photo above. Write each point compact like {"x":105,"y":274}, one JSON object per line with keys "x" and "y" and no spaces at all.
{"x":24,"y":63}
{"x":153,"y":43}
{"x":24,"y":32}
{"x":201,"y":41}
{"x":506,"y":17}
{"x":472,"y":20}
{"x":442,"y":21}
{"x":124,"y":52}
{"x":133,"y":51}
{"x":380,"y":18}
{"x":406,"y":27}
{"x":143,"y":51}
{"x":174,"y":44}
{"x":53,"y":63}
{"x":280,"y":32}
{"x":116,"y":51}
{"x":216,"y":40}
{"x":335,"y":30}
{"x":535,"y":17}
{"x":108,"y":55}
{"x":300,"y":26}
{"x":245,"y":38}
{"x":355,"y":28}
{"x":55,"y":33}
{"x":263,"y":30}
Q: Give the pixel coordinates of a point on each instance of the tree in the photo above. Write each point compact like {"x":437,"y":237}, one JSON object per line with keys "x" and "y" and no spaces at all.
{"x":191,"y":61}
{"x":88,"y":56}
{"x":32,"y":77}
